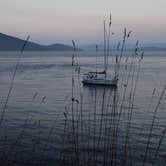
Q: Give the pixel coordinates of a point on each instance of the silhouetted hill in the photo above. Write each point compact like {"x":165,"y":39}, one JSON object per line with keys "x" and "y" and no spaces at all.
{"x":154,"y":48}
{"x":129,"y":47}
{"x":10,"y":43}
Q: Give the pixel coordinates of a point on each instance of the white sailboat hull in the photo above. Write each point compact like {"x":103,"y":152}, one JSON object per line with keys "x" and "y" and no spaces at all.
{"x":101,"y":82}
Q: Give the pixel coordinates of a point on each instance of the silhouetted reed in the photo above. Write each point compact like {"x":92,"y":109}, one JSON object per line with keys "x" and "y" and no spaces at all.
{"x":97,"y":128}
{"x":12,"y":80}
{"x":103,"y":135}
{"x":152,"y":124}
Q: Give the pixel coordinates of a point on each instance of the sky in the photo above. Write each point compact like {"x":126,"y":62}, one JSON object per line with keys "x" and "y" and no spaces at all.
{"x":60,"y":21}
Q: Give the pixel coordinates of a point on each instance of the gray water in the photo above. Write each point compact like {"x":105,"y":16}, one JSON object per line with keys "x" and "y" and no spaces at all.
{"x":42,"y":90}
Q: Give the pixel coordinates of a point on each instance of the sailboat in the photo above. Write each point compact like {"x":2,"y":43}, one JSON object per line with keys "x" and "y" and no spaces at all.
{"x":101,"y":78}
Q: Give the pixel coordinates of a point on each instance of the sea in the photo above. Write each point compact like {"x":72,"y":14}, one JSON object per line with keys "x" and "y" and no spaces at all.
{"x":36,"y":109}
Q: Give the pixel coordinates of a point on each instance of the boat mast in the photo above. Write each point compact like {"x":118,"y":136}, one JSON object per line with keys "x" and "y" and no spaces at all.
{"x":105,"y":58}
{"x":96,"y":57}
{"x":108,"y":41}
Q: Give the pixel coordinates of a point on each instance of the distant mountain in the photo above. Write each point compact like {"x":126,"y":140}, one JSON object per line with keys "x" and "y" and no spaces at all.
{"x":10,"y":43}
{"x":129,"y":47}
{"x":154,"y":48}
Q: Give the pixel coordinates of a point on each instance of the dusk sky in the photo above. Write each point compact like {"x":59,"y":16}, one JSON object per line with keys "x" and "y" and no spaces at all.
{"x":51,"y":21}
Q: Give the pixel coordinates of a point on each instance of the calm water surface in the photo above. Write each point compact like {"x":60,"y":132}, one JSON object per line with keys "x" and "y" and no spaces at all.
{"x":42,"y":91}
